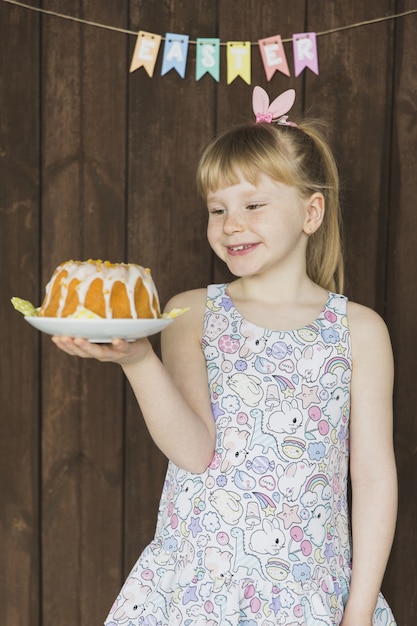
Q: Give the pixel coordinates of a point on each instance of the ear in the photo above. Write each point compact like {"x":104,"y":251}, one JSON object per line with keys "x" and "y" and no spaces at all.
{"x":314,"y":213}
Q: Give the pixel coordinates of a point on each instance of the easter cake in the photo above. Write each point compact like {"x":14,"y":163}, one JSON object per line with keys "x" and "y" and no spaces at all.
{"x":108,"y":290}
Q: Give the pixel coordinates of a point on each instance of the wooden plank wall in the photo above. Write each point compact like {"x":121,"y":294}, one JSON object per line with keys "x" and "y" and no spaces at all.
{"x":99,"y":163}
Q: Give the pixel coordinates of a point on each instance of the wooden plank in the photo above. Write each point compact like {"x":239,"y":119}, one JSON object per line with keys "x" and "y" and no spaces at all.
{"x":352,"y":95}
{"x":19,"y":275}
{"x":84,"y":211}
{"x":104,"y":76}
{"x":169,"y":118}
{"x":402,"y":312}
{"x":61,"y":384}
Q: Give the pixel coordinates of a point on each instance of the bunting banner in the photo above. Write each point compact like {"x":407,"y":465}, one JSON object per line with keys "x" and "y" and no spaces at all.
{"x":175,"y":53}
{"x":238,"y":55}
{"x":207,"y":58}
{"x":305,"y":53}
{"x":146,"y":52}
{"x":273,"y":56}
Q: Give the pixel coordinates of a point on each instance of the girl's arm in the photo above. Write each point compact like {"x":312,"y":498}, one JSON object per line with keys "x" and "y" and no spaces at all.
{"x":372,"y":463}
{"x":178,"y":414}
{"x":173,"y":396}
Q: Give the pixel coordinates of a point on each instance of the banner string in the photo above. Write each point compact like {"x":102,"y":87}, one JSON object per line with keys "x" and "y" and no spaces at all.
{"x":253,"y":43}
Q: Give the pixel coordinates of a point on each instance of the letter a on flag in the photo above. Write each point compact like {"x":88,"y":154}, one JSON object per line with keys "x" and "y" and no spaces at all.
{"x":305,"y":52}
{"x":175,"y":53}
{"x":146,"y":51}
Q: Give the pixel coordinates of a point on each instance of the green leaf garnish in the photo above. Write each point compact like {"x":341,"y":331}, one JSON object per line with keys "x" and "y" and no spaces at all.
{"x":25,"y":307}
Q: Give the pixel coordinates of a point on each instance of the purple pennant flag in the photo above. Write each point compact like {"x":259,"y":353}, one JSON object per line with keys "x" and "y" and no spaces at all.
{"x":175,"y":53}
{"x":305,"y":52}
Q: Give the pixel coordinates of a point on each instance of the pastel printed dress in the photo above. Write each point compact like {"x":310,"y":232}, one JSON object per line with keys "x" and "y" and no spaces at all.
{"x":262,"y":536}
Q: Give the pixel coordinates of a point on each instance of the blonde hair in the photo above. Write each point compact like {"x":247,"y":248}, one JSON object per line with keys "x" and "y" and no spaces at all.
{"x":296,"y":156}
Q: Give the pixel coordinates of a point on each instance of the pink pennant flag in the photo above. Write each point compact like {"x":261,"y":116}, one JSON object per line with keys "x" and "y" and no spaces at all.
{"x":305,"y":52}
{"x":273,"y":56}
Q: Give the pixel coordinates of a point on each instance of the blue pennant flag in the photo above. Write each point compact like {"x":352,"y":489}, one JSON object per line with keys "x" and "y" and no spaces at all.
{"x":175,"y":53}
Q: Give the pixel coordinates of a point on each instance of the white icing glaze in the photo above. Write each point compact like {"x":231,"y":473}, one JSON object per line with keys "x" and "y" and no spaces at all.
{"x":109,"y":273}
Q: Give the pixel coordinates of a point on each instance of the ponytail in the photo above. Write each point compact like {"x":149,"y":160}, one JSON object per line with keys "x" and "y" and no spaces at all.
{"x":325,"y":264}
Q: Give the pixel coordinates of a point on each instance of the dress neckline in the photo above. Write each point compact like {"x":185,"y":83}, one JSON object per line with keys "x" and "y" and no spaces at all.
{"x":279,"y":330}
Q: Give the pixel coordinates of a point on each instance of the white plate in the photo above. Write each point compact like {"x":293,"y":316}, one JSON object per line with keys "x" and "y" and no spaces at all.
{"x":99,"y":331}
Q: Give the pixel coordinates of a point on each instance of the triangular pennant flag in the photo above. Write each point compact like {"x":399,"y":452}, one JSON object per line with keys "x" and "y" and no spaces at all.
{"x":175,"y":53}
{"x":146,"y":51}
{"x":273,"y":56}
{"x":208,"y":58}
{"x":305,"y":52}
{"x":238,"y":61}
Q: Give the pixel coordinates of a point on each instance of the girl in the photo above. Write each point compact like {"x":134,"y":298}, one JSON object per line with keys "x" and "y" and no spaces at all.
{"x":270,"y":387}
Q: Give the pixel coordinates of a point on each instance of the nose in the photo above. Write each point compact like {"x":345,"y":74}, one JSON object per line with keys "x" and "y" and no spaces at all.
{"x":232,"y":222}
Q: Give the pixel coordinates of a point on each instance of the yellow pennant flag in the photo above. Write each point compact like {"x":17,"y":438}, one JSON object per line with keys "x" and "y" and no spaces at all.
{"x":238,"y":60}
{"x":146,"y":51}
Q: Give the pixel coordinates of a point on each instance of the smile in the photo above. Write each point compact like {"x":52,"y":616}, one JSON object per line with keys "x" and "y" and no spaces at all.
{"x":241,"y":249}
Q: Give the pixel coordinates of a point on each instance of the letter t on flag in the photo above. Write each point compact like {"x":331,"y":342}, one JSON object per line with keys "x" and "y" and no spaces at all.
{"x":305,"y":52}
{"x":146,"y":51}
{"x":238,"y":60}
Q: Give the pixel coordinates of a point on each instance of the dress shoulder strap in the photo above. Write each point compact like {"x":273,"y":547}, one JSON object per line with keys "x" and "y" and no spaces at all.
{"x":338,"y":303}
{"x":215,"y":291}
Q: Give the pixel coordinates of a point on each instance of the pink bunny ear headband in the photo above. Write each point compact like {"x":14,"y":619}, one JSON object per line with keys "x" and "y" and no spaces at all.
{"x":274,"y":112}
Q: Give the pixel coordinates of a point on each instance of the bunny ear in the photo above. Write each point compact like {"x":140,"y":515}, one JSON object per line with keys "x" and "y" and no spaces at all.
{"x":282,"y":104}
{"x":260,"y":100}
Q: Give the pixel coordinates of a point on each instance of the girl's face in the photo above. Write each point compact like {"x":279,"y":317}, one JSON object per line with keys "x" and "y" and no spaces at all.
{"x":258,"y":228}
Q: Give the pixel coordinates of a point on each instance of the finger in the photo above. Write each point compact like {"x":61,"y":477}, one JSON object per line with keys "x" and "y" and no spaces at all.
{"x":83,"y":348}
{"x":77,"y":346}
{"x":70,"y":345}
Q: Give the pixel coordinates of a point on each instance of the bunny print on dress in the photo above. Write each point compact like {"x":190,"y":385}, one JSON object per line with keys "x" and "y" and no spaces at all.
{"x":311,"y":361}
{"x":262,"y":536}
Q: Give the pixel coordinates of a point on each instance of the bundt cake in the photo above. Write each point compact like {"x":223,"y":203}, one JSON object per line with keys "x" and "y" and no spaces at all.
{"x":110,"y":290}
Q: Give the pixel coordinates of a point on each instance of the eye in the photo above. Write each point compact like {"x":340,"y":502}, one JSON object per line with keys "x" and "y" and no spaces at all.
{"x":255,"y":205}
